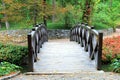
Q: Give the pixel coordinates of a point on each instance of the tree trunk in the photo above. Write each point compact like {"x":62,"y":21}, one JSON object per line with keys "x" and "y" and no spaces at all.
{"x":7,"y":24}
{"x":35,"y":12}
{"x":44,"y":17}
{"x":87,"y":12}
{"x":5,"y":15}
{"x":110,"y":3}
{"x":114,"y":29}
{"x":0,"y":24}
{"x":54,"y":6}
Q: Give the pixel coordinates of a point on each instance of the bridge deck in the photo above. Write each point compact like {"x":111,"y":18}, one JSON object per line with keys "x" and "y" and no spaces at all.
{"x":63,"y":57}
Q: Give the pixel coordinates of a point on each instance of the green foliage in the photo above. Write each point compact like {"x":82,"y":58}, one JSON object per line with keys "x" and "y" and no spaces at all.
{"x":74,"y":14}
{"x":116,"y":65}
{"x":108,"y":58}
{"x":106,"y":13}
{"x":103,"y":13}
{"x":56,"y":25}
{"x":8,"y":8}
{"x":13,"y":54}
{"x":6,"y":68}
{"x":68,"y":19}
{"x":107,"y":67}
{"x":101,"y":26}
{"x":71,"y":14}
{"x":25,"y":10}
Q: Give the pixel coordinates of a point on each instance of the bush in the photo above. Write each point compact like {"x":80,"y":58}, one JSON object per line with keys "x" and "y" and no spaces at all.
{"x":111,"y":53}
{"x":111,"y":49}
{"x":12,"y":53}
{"x":7,"y":68}
{"x":116,"y":65}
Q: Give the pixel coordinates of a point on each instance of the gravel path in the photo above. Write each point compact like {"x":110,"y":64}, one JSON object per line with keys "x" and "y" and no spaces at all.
{"x":75,"y":76}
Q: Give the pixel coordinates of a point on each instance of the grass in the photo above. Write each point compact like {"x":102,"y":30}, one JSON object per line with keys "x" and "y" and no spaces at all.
{"x":21,"y":25}
{"x":15,"y":26}
{"x":56,"y":25}
{"x":99,"y":26}
{"x":50,"y":25}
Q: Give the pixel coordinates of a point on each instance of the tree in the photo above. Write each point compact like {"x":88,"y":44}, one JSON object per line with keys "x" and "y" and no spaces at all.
{"x":54,"y":8}
{"x":11,"y":10}
{"x":44,"y":11}
{"x":0,"y":24}
{"x":5,"y":14}
{"x":106,"y":13}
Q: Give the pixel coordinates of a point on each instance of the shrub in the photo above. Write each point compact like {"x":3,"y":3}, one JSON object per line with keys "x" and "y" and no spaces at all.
{"x":116,"y":65}
{"x":111,"y":49}
{"x":12,"y":53}
{"x":111,"y":53}
{"x":7,"y":68}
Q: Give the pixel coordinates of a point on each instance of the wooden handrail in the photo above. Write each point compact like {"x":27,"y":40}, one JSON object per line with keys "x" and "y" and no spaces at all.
{"x":90,"y":39}
{"x":36,"y":38}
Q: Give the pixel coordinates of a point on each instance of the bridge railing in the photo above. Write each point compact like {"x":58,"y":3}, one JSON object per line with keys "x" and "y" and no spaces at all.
{"x":90,"y":39}
{"x":36,"y":38}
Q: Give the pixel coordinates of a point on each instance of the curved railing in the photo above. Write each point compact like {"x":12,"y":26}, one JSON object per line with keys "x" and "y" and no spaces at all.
{"x":36,"y":38}
{"x":90,"y":39}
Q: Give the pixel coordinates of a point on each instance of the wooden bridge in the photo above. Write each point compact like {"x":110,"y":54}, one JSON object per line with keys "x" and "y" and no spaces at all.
{"x":82,"y":52}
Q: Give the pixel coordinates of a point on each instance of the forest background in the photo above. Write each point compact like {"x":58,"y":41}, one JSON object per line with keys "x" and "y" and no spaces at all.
{"x":60,"y":14}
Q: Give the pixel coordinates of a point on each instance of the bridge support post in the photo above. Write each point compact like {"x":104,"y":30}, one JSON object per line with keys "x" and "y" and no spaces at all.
{"x":100,"y":51}
{"x":30,"y":54}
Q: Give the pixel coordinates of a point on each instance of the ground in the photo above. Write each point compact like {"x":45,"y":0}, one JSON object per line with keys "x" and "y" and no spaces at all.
{"x":73,"y":76}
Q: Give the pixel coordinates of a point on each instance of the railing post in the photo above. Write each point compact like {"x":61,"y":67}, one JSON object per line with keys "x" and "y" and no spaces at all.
{"x":30,"y":54}
{"x":82,"y":45}
{"x":99,"y":51}
{"x":91,"y":43}
{"x":71,"y":35}
{"x":46,"y":35}
{"x":90,"y":52}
